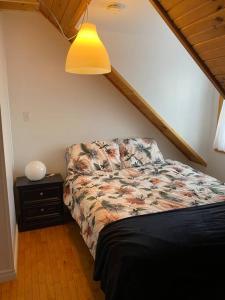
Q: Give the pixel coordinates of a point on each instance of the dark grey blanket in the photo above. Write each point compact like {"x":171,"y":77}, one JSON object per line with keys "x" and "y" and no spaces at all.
{"x":178,"y":254}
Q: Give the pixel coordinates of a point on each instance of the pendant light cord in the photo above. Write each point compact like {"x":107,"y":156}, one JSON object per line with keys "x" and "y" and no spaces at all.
{"x":58,"y":23}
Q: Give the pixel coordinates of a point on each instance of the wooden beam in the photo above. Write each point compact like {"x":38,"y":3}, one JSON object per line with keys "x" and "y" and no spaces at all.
{"x":163,"y":13}
{"x":19,"y":4}
{"x":59,"y":7}
{"x":72,"y":15}
{"x":131,"y":94}
{"x":45,"y":8}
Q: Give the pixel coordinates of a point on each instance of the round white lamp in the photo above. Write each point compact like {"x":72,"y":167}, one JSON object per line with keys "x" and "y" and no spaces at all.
{"x":35,"y":170}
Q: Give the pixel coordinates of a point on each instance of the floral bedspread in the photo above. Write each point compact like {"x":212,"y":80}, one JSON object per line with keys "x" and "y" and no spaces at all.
{"x":103,"y":197}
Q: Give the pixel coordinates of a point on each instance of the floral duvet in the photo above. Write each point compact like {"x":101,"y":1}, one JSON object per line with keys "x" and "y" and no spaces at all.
{"x":106,"y":196}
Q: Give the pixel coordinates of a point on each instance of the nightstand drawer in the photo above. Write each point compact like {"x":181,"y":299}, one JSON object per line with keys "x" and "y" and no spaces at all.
{"x":41,"y":202}
{"x":38,"y":194}
{"x":42,"y":221}
{"x":42,"y":210}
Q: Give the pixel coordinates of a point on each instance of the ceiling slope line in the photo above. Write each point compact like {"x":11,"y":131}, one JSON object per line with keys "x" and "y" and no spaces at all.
{"x":129,"y":92}
{"x":181,"y":37}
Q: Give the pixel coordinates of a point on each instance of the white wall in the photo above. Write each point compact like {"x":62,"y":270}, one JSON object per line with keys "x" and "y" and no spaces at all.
{"x":7,"y":208}
{"x":63,"y":108}
{"x":145,"y":51}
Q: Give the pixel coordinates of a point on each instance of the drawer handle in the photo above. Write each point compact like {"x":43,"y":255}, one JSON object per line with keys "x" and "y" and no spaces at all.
{"x":41,"y":193}
{"x":42,"y":209}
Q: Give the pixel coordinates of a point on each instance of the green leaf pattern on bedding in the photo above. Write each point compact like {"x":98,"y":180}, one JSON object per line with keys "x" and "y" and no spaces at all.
{"x":136,"y":152}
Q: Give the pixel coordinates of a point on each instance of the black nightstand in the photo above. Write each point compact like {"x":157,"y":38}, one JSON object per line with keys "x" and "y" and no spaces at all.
{"x":39,"y":203}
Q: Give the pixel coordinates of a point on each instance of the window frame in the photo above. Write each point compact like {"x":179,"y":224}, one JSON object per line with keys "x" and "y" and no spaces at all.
{"x":220,"y":104}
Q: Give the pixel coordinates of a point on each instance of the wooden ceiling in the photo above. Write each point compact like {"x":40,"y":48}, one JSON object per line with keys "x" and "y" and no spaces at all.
{"x":200,"y":26}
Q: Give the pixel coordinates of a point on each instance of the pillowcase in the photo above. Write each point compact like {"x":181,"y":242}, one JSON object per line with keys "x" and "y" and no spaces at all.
{"x":113,"y":153}
{"x":136,"y":152}
{"x":87,"y":158}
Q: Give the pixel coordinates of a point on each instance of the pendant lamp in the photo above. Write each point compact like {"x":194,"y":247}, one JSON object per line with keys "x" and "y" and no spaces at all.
{"x":87,"y":54}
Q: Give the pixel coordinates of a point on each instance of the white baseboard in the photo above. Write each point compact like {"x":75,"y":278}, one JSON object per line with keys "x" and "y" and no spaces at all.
{"x":16,"y":245}
{"x":10,"y":274}
{"x":7,"y":275}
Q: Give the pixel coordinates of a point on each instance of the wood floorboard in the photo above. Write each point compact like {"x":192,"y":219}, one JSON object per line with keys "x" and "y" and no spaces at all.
{"x":53,"y":264}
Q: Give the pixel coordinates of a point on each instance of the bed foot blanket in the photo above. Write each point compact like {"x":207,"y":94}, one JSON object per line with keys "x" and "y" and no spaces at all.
{"x":177,"y":254}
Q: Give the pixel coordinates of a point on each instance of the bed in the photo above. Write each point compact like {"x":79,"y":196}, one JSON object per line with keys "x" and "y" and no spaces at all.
{"x":155,"y":227}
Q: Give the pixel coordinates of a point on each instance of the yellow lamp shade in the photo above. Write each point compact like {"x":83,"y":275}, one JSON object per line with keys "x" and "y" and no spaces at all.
{"x":87,"y":54}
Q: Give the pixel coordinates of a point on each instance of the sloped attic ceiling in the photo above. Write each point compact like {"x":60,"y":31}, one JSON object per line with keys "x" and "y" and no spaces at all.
{"x":200,"y":26}
{"x":68,"y":13}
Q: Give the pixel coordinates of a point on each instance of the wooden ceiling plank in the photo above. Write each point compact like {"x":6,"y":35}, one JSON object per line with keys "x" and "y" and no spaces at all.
{"x":169,"y":4}
{"x":19,"y":5}
{"x":217,"y":62}
{"x":70,"y":16}
{"x":200,"y":12}
{"x":212,"y":21}
{"x":58,"y":8}
{"x":213,"y":32}
{"x":214,"y":53}
{"x":193,"y":52}
{"x":184,"y":7}
{"x":69,"y":20}
{"x":212,"y":44}
{"x":217,"y":70}
{"x":45,"y":6}
{"x":221,"y":79}
{"x":131,"y":94}
{"x":47,"y":3}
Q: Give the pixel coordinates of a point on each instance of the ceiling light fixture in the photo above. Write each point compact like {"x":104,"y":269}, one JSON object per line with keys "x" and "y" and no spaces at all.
{"x":115,"y":7}
{"x":87,"y":54}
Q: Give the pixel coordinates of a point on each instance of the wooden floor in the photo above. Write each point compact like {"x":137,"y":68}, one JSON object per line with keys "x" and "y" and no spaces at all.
{"x":53,"y":263}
